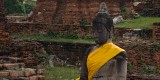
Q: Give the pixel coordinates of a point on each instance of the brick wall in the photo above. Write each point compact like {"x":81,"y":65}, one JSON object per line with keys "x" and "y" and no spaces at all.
{"x":83,"y":31}
{"x":73,"y":29}
{"x":70,"y":52}
{"x":143,"y":57}
{"x":44,"y":11}
{"x":27,"y":28}
{"x":36,"y":28}
{"x":73,"y":11}
{"x":22,"y":60}
{"x":148,"y":8}
{"x":3,"y":35}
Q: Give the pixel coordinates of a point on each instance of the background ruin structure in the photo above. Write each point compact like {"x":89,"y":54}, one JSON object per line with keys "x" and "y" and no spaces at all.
{"x":74,"y":11}
{"x":147,"y":7}
{"x":3,"y":34}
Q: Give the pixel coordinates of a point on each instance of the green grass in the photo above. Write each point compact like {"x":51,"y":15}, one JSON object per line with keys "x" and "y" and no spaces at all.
{"x":45,"y":37}
{"x":61,"y":73}
{"x":141,"y":23}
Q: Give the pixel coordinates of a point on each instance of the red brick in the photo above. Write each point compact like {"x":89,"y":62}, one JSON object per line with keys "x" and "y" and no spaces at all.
{"x":21,"y":64}
{"x":9,"y":65}
{"x":16,"y":73}
{"x":1,"y":65}
{"x":4,"y":73}
{"x":33,"y":78}
{"x":41,"y":77}
{"x":40,"y":71}
{"x":29,"y":72}
{"x":24,"y":78}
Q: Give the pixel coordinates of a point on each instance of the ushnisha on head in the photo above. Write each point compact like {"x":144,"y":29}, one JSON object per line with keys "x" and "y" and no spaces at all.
{"x":103,"y":25}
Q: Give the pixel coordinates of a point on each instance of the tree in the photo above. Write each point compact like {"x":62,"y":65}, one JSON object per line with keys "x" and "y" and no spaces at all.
{"x":18,"y":6}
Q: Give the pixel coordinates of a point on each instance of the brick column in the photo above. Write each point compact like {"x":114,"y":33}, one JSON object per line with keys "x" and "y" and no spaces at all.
{"x":156,"y":31}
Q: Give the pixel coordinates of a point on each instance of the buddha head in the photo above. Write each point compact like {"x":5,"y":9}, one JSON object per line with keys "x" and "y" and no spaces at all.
{"x":102,"y":25}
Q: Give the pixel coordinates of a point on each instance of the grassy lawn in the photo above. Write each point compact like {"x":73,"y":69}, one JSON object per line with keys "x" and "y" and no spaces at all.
{"x":141,"y":23}
{"x":61,"y":73}
{"x":45,"y":37}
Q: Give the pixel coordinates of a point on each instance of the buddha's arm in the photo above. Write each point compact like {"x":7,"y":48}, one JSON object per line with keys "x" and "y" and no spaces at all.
{"x":84,"y":70}
{"x":122,"y":66}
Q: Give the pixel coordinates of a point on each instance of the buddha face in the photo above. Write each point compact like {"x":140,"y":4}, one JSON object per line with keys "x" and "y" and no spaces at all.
{"x":100,"y":34}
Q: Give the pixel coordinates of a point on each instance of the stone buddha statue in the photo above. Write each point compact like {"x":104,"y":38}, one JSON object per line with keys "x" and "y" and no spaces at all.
{"x":105,"y":60}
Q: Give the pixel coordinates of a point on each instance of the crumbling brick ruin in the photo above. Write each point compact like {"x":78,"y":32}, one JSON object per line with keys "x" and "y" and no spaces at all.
{"x":74,"y":11}
{"x":148,"y":7}
{"x":156,"y":31}
{"x":3,"y":34}
{"x":16,"y":56}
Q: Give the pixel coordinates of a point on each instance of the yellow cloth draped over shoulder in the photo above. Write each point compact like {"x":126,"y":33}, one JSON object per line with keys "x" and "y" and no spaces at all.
{"x":100,"y":56}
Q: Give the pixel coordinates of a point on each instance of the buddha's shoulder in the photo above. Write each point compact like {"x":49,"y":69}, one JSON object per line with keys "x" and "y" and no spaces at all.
{"x":90,"y":49}
{"x":122,"y":55}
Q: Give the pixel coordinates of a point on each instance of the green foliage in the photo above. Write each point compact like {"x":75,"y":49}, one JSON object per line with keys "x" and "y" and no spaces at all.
{"x":145,"y":68}
{"x":60,"y":21}
{"x":61,"y":73}
{"x":129,"y":66}
{"x":17,"y":6}
{"x":123,"y":10}
{"x":41,"y":55}
{"x":20,"y":3}
{"x":28,"y":8}
{"x":2,"y":48}
{"x":154,"y":48}
{"x":83,"y":22}
{"x":134,"y":45}
{"x":155,"y":70}
{"x":88,"y":37}
{"x":50,"y":32}
{"x":11,"y":6}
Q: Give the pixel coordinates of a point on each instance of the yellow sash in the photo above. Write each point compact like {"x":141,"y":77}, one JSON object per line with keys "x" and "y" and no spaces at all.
{"x":100,"y":56}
